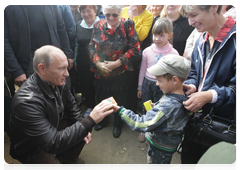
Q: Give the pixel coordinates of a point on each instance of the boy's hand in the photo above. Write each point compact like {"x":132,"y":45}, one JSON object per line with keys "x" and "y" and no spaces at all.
{"x":115,"y":108}
{"x":111,"y":100}
{"x":139,"y":94}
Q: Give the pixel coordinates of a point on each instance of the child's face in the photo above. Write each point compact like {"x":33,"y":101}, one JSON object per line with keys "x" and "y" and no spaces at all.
{"x":161,"y":39}
{"x":165,"y":85}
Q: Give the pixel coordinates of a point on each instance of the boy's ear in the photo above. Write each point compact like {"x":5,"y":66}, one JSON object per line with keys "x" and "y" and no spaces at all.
{"x":175,"y":79}
{"x":170,"y":35}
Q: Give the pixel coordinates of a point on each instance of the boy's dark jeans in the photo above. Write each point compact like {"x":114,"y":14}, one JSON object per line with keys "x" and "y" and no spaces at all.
{"x":158,"y":156}
{"x":42,"y":157}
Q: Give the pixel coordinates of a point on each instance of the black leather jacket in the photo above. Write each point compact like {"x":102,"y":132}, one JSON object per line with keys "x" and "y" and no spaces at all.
{"x":35,"y":119}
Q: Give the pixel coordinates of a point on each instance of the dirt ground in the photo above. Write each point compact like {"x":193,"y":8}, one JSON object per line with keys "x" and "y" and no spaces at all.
{"x":106,"y":152}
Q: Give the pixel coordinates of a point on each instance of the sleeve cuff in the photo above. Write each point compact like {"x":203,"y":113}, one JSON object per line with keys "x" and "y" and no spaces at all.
{"x":120,"y":110}
{"x":139,"y":87}
{"x":193,"y":86}
{"x":17,"y":73}
{"x":88,"y":123}
{"x":214,"y":96}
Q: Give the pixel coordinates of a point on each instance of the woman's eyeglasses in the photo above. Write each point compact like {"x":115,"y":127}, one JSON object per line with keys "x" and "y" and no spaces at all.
{"x":113,"y":15}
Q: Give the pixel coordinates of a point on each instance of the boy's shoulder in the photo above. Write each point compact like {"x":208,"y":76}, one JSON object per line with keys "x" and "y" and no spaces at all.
{"x":171,"y":100}
{"x":170,"y":105}
{"x":178,"y":97}
{"x":174,"y":96}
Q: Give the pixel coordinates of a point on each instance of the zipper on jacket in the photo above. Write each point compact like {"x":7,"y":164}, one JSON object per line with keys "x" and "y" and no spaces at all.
{"x":212,"y":58}
{"x":57,"y":111}
{"x":61,"y":99}
{"x":57,"y":104}
{"x":56,"y":108}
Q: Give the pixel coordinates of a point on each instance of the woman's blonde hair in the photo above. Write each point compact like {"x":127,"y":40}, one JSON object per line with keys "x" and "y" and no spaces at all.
{"x":162,"y":25}
{"x":164,"y":11}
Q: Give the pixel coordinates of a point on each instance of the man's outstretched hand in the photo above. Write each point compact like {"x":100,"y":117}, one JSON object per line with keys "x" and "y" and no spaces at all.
{"x":101,"y":110}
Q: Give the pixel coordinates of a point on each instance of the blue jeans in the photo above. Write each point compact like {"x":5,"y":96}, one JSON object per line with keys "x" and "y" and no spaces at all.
{"x":158,"y":156}
{"x":150,"y":91}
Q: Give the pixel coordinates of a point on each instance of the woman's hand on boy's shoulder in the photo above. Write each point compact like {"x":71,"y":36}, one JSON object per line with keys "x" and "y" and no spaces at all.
{"x":197,"y":100}
{"x":188,"y":89}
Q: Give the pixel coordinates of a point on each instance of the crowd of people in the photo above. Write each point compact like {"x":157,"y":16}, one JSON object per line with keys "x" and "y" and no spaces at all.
{"x":182,"y":58}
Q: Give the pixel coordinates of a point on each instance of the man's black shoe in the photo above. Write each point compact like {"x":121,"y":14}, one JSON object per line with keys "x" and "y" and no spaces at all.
{"x":116,"y":132}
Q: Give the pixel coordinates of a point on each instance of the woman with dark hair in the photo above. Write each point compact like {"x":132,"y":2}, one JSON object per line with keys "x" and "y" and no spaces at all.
{"x":112,"y":50}
{"x":84,"y":29}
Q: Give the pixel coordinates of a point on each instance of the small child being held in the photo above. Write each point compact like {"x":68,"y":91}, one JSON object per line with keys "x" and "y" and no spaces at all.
{"x":147,"y":89}
{"x":164,"y":123}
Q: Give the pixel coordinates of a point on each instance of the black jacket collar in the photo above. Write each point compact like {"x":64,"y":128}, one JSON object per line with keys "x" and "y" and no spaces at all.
{"x":46,"y":87}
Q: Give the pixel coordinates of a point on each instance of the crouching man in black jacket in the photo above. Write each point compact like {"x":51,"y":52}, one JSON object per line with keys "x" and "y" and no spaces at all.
{"x":46,"y":125}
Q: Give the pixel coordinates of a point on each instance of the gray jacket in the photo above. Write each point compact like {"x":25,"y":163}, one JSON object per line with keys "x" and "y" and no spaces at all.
{"x":164,"y":123}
